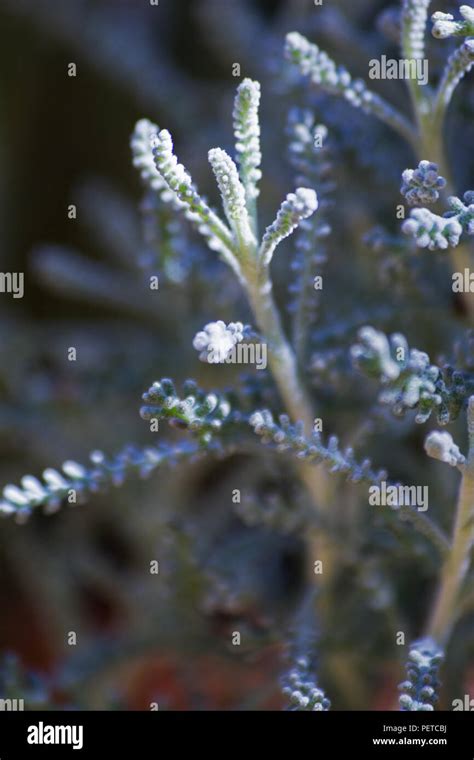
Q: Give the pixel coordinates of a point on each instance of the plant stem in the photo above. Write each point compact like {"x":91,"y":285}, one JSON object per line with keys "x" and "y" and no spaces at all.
{"x":281,"y":356}
{"x":430,"y":144}
{"x":457,"y":563}
{"x":284,"y":369}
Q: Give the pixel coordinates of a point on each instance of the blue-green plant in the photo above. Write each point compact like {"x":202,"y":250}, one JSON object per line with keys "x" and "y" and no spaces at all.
{"x":425,"y":132}
{"x":278,"y":408}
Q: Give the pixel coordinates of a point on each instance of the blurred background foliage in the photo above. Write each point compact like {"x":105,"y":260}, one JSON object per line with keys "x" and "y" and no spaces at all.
{"x":65,"y":140}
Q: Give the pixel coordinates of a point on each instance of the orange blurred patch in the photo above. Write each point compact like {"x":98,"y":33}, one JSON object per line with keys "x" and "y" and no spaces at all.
{"x":207,"y":682}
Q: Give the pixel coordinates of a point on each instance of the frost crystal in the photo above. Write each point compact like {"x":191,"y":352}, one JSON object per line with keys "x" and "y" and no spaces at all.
{"x":421,"y":185}
{"x":301,"y":689}
{"x":297,"y":206}
{"x":440,"y":445}
{"x":233,"y":195}
{"x":432,"y":231}
{"x":142,"y":155}
{"x":336,"y":80}
{"x":247,"y":136}
{"x":419,"y":692}
{"x":217,"y":340}
{"x":232,"y":191}
{"x":444,"y":24}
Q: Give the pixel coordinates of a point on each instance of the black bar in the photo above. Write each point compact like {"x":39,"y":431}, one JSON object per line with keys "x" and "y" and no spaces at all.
{"x":159,"y":734}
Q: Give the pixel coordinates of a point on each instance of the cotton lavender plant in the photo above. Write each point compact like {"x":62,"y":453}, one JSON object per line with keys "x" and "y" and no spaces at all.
{"x":424,"y":133}
{"x":278,"y":408}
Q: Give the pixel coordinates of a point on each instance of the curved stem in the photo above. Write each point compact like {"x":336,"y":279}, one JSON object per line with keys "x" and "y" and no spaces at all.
{"x":457,"y":563}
